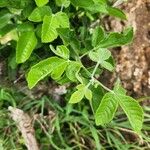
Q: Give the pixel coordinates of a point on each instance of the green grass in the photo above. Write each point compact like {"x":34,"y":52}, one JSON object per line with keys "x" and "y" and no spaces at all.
{"x":67,"y":127}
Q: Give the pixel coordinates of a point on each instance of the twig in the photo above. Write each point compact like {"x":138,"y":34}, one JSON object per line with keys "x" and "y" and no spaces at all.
{"x":127,"y":130}
{"x":23,"y":122}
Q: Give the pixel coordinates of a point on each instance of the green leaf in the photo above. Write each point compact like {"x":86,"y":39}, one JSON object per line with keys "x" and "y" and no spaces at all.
{"x":100,"y":55}
{"x":65,"y":35}
{"x":97,"y":36}
{"x":106,"y":109}
{"x":82,"y":3}
{"x":41,"y":3}
{"x":59,"y":70}
{"x":94,"y":7}
{"x":118,"y":88}
{"x":61,"y":51}
{"x":38,"y":13}
{"x":133,"y":111}
{"x":99,"y":6}
{"x":25,"y":45}
{"x":63,"y":80}
{"x":76,"y":96}
{"x":69,"y":38}
{"x":80,"y":87}
{"x":3,"y":3}
{"x":64,"y":3}
{"x":24,"y":27}
{"x":115,"y":39}
{"x":49,"y":26}
{"x":100,"y":1}
{"x":38,"y":30}
{"x":51,"y":23}
{"x":116,"y":12}
{"x":94,"y":56}
{"x":109,"y":104}
{"x":104,"y":54}
{"x":5,"y":17}
{"x":6,"y":29}
{"x":17,"y":4}
{"x":42,"y":69}
{"x":97,"y":95}
{"x":107,"y":65}
{"x":88,"y":94}
{"x":79,"y":78}
{"x":28,"y":10}
{"x":62,"y":19}
{"x":72,"y":70}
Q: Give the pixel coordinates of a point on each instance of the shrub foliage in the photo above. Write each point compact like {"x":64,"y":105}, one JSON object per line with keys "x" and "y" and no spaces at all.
{"x":72,"y":51}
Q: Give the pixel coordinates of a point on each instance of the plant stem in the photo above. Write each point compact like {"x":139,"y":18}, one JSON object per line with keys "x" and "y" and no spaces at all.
{"x":95,"y":69}
{"x":62,"y":6}
{"x":106,"y":88}
{"x":143,"y":98}
{"x":92,"y":75}
{"x":91,"y":106}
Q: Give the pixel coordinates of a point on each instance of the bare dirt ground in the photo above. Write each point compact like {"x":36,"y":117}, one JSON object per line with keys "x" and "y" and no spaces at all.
{"x":133,"y":61}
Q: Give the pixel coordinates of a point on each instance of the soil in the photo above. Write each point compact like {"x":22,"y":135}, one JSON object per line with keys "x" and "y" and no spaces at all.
{"x":133,"y":61}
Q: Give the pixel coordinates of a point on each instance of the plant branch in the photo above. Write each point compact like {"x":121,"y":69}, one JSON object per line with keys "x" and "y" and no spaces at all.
{"x":102,"y":85}
{"x":95,"y":69}
{"x":91,"y":75}
{"x":23,"y":122}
